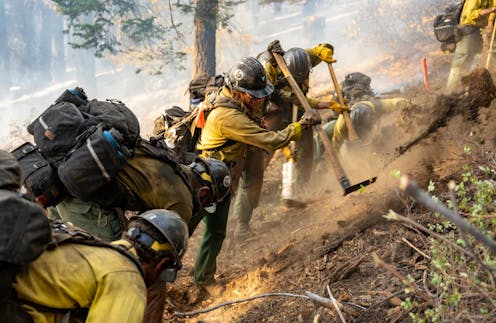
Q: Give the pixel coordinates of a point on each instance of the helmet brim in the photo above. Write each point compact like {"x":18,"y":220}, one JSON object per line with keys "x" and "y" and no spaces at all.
{"x":261,"y":93}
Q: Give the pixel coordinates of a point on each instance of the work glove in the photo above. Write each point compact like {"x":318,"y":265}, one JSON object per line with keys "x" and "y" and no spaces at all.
{"x":338,"y":107}
{"x":324,"y":51}
{"x":310,"y":118}
{"x":275,"y":47}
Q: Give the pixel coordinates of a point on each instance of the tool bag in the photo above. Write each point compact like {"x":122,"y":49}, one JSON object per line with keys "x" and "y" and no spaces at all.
{"x":88,"y":172}
{"x":39,"y":176}
{"x":55,"y":131}
{"x":446,"y":25}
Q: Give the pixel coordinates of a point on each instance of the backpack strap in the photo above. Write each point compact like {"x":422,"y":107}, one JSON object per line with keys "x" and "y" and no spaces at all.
{"x":62,"y":233}
{"x":157,"y":148}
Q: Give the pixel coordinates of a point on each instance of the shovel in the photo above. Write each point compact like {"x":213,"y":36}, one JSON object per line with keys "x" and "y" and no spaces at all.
{"x":331,"y":154}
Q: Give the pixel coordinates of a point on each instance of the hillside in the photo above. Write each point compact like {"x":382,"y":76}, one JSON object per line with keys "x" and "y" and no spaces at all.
{"x":331,"y":241}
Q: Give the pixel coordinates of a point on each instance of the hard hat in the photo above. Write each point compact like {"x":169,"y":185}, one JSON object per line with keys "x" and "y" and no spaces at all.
{"x":298,"y":62}
{"x":216,"y":173}
{"x":362,"y":117}
{"x":248,"y":75}
{"x":172,"y":240}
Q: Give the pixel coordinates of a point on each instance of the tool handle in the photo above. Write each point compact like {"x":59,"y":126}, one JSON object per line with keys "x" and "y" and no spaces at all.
{"x":490,"y":52}
{"x":329,"y":150}
{"x":352,"y":135}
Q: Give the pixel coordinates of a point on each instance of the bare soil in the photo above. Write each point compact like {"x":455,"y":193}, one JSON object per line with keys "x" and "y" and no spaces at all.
{"x":329,"y":243}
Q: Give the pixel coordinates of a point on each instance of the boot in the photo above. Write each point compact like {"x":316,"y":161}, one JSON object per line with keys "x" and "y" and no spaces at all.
{"x":214,"y":289}
{"x":243,"y":231}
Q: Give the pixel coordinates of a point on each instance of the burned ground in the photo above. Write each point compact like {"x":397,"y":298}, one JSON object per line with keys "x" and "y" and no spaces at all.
{"x":331,"y":241}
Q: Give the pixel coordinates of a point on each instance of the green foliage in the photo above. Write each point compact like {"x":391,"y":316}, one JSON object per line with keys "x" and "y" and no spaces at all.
{"x":141,"y":32}
{"x":455,"y":279}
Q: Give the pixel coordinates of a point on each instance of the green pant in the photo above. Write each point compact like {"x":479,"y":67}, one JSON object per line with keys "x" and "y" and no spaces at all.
{"x":464,"y":55}
{"x":105,"y":224}
{"x":211,"y":244}
{"x":250,"y":186}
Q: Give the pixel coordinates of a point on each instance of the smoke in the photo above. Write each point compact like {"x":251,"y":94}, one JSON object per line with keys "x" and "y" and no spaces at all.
{"x":384,"y":39}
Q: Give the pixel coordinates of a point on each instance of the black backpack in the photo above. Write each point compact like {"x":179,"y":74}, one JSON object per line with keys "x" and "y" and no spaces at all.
{"x":86,"y":143}
{"x":446,"y":26}
{"x":24,"y":234}
{"x":39,"y":175}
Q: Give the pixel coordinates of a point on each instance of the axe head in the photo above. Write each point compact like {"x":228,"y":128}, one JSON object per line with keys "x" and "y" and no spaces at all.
{"x":358,"y":186}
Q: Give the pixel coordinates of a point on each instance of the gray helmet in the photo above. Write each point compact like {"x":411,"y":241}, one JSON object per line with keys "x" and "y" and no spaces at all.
{"x":248,"y":75}
{"x":356,"y":85}
{"x":216,"y":174}
{"x":10,"y":172}
{"x":171,"y":227}
{"x":362,"y":118}
{"x":298,"y":62}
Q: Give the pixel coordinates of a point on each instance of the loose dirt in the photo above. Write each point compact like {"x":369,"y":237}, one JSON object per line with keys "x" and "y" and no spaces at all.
{"x":329,"y":243}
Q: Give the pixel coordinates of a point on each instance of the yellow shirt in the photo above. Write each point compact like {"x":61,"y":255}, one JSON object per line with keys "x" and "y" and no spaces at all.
{"x":471,"y":12}
{"x":227,"y":123}
{"x":153,"y":184}
{"x":379,"y":106}
{"x":79,"y":276}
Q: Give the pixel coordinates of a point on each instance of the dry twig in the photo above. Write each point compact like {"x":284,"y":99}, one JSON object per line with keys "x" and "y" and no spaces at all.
{"x":336,"y":305}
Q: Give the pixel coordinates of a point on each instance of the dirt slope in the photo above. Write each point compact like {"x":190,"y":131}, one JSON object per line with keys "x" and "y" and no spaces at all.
{"x":330,"y":241}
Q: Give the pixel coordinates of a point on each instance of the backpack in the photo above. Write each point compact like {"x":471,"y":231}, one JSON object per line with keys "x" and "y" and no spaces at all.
{"x":39,"y":175}
{"x":24,"y":234}
{"x":86,"y":144}
{"x":181,"y":130}
{"x":446,"y":26}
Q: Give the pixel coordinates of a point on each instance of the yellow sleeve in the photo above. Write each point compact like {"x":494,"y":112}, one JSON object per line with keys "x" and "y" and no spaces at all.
{"x":471,"y":12}
{"x":272,"y":72}
{"x":313,"y":57}
{"x":240,"y":128}
{"x":340,"y":133}
{"x":120,"y":297}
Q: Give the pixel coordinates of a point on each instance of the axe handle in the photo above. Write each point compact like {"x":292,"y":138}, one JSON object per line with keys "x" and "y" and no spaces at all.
{"x":338,"y":169}
{"x":352,"y":135}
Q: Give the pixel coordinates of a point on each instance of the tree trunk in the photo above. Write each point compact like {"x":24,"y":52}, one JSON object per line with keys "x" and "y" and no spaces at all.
{"x":4,"y":53}
{"x":44,"y":53}
{"x":205,"y":28}
{"x":58,"y":60}
{"x":85,"y":67}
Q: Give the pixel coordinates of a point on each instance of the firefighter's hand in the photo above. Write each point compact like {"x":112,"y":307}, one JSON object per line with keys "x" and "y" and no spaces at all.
{"x":338,"y":108}
{"x":275,"y":47}
{"x":310,"y":118}
{"x":324,"y":51}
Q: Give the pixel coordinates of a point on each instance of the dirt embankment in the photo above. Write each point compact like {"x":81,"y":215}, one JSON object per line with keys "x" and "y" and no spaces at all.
{"x":330,"y":242}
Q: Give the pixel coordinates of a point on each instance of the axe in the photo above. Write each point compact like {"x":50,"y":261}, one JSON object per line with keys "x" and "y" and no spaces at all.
{"x":329,"y":149}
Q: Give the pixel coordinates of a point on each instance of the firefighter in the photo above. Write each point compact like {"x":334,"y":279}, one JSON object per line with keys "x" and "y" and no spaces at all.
{"x":475,"y":16}
{"x":79,"y":281}
{"x":278,"y":116}
{"x":366,"y":111}
{"x":232,"y":130}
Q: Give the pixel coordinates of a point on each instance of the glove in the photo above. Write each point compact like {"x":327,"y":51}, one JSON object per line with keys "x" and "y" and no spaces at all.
{"x":310,"y":118}
{"x":324,"y":51}
{"x":275,"y":47}
{"x":338,"y":108}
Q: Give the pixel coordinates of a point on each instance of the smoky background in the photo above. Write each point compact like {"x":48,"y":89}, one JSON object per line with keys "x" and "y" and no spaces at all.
{"x":384,"y":39}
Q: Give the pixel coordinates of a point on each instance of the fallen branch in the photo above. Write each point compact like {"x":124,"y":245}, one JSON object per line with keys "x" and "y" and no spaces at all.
{"x":415,"y":248}
{"x":381,"y":263}
{"x":395,"y":216}
{"x":421,"y":196}
{"x":309,"y":296}
{"x":375,"y":305}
